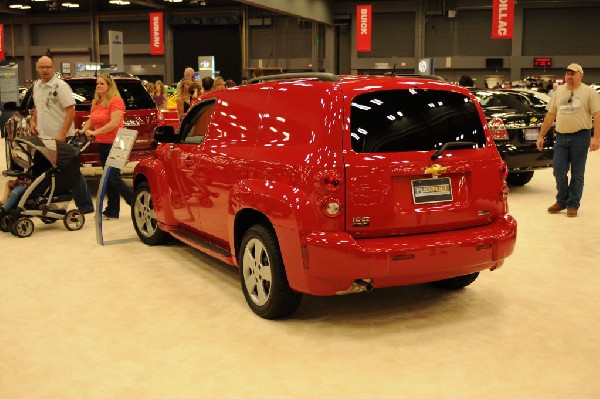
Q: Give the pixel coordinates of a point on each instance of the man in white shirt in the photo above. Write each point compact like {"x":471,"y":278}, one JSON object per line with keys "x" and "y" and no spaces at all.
{"x":53,"y":117}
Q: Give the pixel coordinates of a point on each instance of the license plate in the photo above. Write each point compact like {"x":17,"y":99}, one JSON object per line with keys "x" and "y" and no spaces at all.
{"x":428,"y":191}
{"x":531,"y":134}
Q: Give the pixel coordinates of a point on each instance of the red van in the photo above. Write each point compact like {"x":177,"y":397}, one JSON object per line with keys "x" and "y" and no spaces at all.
{"x":325,"y":184}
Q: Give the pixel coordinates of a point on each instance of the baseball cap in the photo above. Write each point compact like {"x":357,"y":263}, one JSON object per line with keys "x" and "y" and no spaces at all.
{"x":575,"y":68}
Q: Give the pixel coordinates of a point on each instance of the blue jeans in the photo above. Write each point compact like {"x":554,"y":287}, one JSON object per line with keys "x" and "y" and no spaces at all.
{"x":570,"y":152}
{"x":115,"y":185}
{"x":81,"y":195}
{"x":13,"y":198}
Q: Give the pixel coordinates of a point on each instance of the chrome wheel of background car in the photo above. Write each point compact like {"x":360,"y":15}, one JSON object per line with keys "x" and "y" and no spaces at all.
{"x":144,"y":218}
{"x":455,"y":283}
{"x":74,"y":220}
{"x":519,"y":179}
{"x":262,"y":274}
{"x":22,"y":227}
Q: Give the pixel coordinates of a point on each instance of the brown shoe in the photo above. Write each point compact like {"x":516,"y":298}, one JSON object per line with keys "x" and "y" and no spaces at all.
{"x":572,"y":212}
{"x":557,"y":208}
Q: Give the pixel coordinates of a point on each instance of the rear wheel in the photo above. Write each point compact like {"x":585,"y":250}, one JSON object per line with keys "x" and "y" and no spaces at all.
{"x":262,"y":275}
{"x":22,"y":227}
{"x":455,"y":283}
{"x":5,"y":221}
{"x":519,"y":178}
{"x":74,"y":220}
{"x":144,"y":218}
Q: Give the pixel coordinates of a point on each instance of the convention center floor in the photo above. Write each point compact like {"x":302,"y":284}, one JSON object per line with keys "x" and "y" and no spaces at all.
{"x":126,"y":320}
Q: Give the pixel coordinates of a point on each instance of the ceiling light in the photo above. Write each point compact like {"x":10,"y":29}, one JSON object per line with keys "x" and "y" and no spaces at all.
{"x":69,"y":4}
{"x":173,"y":1}
{"x":119,"y":2}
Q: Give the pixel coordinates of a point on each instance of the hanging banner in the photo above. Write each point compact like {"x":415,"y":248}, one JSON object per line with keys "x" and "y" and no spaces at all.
{"x":157,"y":44}
{"x":1,"y":42}
{"x":503,"y":17}
{"x":364,"y":23}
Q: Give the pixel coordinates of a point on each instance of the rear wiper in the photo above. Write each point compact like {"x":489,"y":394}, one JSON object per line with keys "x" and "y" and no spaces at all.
{"x":466,"y":144}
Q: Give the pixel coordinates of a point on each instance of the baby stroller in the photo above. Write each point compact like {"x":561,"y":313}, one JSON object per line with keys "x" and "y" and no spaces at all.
{"x":53,"y":167}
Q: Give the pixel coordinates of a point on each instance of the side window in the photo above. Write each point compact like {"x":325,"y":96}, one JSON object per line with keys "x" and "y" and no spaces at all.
{"x":196,"y":123}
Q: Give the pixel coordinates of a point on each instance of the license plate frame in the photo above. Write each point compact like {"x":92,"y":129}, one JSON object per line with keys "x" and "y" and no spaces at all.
{"x":431,"y":190}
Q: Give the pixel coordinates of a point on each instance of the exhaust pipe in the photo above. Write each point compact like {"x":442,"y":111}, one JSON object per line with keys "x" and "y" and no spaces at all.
{"x":359,"y":285}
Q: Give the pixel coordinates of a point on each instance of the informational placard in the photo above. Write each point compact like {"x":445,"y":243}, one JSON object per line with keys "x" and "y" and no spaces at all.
{"x":115,"y":49}
{"x":206,"y":66}
{"x":9,"y":83}
{"x":121,"y":148}
{"x":117,"y":158}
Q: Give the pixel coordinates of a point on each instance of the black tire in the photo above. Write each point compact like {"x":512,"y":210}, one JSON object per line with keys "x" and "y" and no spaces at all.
{"x":46,"y":220}
{"x":5,"y":222}
{"x":22,"y":227}
{"x":455,"y":283}
{"x":519,"y":179}
{"x":262,"y":275}
{"x":74,"y":220}
{"x":144,"y":218}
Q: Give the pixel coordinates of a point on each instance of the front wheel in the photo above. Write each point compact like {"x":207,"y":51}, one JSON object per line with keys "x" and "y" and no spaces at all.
{"x":262,"y":274}
{"x":74,"y":220}
{"x":22,"y":227}
{"x":455,"y":283}
{"x":144,"y":218}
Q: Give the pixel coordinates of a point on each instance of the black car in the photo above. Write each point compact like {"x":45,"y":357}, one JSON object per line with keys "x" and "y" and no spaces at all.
{"x":515,"y":126}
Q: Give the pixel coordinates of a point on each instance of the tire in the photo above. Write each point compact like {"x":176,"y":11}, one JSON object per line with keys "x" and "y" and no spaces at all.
{"x":5,"y":222}
{"x":519,"y":179}
{"x":262,"y":275}
{"x":144,"y":218}
{"x":74,"y":220}
{"x":455,"y":283}
{"x":22,"y":227}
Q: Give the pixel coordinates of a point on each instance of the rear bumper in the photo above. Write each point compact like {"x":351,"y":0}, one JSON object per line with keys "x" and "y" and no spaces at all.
{"x":332,"y":261}
{"x":525,"y":157}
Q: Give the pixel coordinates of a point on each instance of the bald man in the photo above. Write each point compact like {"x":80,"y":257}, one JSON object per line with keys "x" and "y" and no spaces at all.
{"x":53,"y":117}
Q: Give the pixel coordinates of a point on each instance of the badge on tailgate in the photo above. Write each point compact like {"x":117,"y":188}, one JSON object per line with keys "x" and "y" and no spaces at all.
{"x":436,"y":189}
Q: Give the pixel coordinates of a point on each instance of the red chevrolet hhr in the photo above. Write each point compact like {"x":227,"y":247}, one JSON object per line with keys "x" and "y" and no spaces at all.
{"x":326,"y":184}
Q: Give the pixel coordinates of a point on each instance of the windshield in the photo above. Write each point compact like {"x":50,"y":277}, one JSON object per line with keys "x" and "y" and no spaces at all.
{"x":413,"y":120}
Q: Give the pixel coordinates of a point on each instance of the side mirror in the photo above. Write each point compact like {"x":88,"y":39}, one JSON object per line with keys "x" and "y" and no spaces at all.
{"x":165,"y":134}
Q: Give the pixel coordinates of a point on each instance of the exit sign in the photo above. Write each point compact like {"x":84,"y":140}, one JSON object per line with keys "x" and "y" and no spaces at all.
{"x":542,"y":62}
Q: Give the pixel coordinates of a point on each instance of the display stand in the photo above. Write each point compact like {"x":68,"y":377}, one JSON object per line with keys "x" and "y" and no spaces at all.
{"x":117,"y":158}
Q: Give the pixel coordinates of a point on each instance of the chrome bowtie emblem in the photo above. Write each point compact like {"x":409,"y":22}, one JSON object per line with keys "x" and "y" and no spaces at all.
{"x":435,"y":170}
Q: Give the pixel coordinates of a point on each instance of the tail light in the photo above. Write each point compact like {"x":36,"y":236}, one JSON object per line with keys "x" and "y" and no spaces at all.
{"x":498,"y":129}
{"x":330,"y":180}
{"x":329,"y":183}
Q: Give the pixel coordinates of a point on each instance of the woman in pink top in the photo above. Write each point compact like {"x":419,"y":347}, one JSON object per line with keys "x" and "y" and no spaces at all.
{"x":106,"y":117}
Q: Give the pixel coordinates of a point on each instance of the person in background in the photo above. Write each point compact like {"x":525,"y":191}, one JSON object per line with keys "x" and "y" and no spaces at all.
{"x":106,"y":117}
{"x":244,"y":80}
{"x":13,"y":191}
{"x":53,"y":117}
{"x":575,"y":107}
{"x":183,"y":98}
{"x":257,"y":73}
{"x":150,"y":87}
{"x":188,"y":74}
{"x":466,"y":81}
{"x":159,"y":95}
{"x":194,"y":92}
{"x":553,"y":90}
{"x":218,"y":84}
{"x":229,"y":83}
{"x":207,"y":84}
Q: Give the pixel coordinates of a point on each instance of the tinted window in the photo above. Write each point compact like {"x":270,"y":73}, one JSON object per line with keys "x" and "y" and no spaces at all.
{"x":195,"y":124}
{"x":502,"y":102}
{"x":133,"y":93}
{"x":413,"y":120}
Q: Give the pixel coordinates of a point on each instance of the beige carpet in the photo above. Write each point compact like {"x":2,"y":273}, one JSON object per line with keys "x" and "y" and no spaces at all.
{"x":78,"y":320}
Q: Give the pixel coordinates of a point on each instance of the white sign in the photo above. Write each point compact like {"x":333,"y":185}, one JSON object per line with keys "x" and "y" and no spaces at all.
{"x":121,"y":148}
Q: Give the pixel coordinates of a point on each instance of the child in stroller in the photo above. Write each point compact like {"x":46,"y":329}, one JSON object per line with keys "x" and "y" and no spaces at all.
{"x":43,"y":189}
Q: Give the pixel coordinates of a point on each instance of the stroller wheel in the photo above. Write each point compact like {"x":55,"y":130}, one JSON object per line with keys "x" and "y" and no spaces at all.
{"x":22,"y":227}
{"x":74,"y":220}
{"x":5,"y":221}
{"x":47,"y":220}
